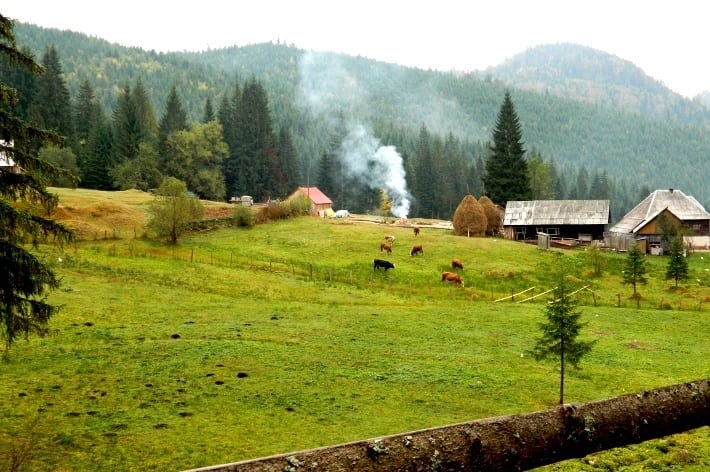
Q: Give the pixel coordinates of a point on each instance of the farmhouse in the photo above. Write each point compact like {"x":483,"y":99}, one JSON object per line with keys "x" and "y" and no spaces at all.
{"x":577,"y":220}
{"x":646,"y":223}
{"x":320,"y":203}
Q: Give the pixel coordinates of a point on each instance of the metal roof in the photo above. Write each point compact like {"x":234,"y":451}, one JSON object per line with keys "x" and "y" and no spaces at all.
{"x":684,"y":207}
{"x":316,"y":196}
{"x":556,"y":212}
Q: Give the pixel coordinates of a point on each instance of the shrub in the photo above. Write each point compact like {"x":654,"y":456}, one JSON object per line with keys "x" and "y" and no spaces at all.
{"x":243,"y":216}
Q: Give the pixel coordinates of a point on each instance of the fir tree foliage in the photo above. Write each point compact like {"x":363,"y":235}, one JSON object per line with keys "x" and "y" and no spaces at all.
{"x":677,"y":268}
{"x":24,"y":278}
{"x":635,"y":268}
{"x":559,"y":339}
{"x":506,"y":168}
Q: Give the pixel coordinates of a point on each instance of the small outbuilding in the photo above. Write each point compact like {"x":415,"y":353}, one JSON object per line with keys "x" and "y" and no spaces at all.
{"x":320,"y":203}
{"x":646,"y":222}
{"x":574,"y":220}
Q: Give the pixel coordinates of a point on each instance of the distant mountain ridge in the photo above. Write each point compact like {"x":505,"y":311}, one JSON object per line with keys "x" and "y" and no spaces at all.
{"x":579,"y":106}
{"x":586,"y":74}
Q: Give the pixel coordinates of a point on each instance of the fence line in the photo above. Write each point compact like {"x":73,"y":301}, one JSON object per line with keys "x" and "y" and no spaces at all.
{"x":315,"y":273}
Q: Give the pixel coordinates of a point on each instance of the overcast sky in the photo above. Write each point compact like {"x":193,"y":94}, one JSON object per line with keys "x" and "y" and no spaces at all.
{"x":669,"y":40}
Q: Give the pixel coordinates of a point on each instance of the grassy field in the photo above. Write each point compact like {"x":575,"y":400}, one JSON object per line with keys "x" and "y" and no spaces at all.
{"x":240,"y":343}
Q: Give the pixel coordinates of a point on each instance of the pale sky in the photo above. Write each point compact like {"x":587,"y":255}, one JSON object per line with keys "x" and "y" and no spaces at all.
{"x":670,"y":41}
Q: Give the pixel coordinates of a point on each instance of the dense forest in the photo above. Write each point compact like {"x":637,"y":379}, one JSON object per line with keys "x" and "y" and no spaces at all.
{"x":264,"y":118}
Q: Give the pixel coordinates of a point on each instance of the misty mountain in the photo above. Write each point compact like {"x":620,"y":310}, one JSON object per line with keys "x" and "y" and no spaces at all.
{"x":581,"y":73}
{"x":581,"y":107}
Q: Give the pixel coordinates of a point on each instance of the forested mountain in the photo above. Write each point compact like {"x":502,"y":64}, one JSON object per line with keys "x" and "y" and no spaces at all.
{"x":638,"y":141}
{"x":585,"y":74}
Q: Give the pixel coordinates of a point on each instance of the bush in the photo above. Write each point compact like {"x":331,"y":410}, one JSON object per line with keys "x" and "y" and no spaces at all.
{"x":243,"y":216}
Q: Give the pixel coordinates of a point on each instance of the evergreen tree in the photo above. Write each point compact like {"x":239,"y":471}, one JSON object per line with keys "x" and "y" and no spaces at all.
{"x":600,"y":187}
{"x":227,"y":116}
{"x":469,"y":218}
{"x":128,"y":128}
{"x":99,"y":162}
{"x":424,"y":190}
{"x":559,"y":189}
{"x":24,"y":278}
{"x":326,"y":174}
{"x":174,"y":119}
{"x":51,"y":105}
{"x":560,"y":332}
{"x":288,"y":163}
{"x":208,"y":115}
{"x":87,"y":114}
{"x":677,"y":268}
{"x":634,"y":268}
{"x":23,"y":81}
{"x":506,"y":169}
{"x":255,"y":154}
{"x":581,"y":190}
{"x":144,"y":110}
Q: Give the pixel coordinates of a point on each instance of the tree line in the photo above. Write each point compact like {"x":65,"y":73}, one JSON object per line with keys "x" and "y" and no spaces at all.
{"x":235,"y":148}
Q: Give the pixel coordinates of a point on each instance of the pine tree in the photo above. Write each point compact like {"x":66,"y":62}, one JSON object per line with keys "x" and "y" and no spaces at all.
{"x":23,"y":81}
{"x":51,"y":105}
{"x":144,"y":109}
{"x":326,"y":174}
{"x":506,"y":169}
{"x":677,"y":268}
{"x":174,"y":119}
{"x":288,"y":163}
{"x":635,"y":268}
{"x":99,"y":162}
{"x":87,"y":114}
{"x":424,"y":190}
{"x":128,"y":128}
{"x":227,"y":116}
{"x":24,"y":278}
{"x":559,"y":334}
{"x":208,"y":114}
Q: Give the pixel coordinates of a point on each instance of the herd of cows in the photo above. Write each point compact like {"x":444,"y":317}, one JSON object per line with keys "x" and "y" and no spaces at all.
{"x":417,"y":249}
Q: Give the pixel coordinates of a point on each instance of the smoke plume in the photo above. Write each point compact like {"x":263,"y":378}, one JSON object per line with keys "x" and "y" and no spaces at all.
{"x":326,"y":88}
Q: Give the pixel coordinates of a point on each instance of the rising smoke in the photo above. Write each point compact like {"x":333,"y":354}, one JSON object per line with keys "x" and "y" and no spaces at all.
{"x":325,"y":89}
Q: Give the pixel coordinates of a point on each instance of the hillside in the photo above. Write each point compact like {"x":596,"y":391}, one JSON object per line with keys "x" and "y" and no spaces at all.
{"x":637,"y":145}
{"x":581,"y":73}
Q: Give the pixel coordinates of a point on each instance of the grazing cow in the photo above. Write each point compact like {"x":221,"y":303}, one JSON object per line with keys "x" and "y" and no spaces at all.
{"x":456,"y":264}
{"x":417,"y":249}
{"x":386,"y":247}
{"x":416,"y":231}
{"x":382,"y":264}
{"x":451,"y":277}
{"x":389,"y":238}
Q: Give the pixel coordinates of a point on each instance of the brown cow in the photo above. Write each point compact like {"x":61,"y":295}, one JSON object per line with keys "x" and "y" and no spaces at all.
{"x":386,"y":247}
{"x":451,"y":277}
{"x":457,"y":264}
{"x":417,"y":249}
{"x":389,"y":238}
{"x":416,"y":231}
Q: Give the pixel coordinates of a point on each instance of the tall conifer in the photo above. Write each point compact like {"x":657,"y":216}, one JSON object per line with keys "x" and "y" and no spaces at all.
{"x":506,"y":169}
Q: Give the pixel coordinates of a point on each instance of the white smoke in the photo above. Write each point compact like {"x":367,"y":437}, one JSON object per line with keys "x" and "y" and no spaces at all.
{"x":380,"y":167}
{"x":326,"y":88}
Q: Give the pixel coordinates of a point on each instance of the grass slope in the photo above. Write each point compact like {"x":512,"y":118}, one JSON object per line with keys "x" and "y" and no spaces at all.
{"x":242,"y":343}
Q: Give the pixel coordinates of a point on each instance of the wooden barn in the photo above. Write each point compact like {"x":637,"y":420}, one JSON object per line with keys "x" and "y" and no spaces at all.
{"x":320,"y":203}
{"x":574,"y":220}
{"x":647,"y":221}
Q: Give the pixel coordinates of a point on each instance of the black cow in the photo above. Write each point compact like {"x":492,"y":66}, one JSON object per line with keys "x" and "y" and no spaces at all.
{"x":382,"y":264}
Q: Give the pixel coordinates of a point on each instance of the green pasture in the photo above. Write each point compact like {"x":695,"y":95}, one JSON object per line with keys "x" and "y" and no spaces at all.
{"x":241,"y":343}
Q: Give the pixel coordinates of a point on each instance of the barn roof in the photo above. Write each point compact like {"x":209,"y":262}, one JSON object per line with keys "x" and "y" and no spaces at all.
{"x":556,"y":212}
{"x":315,"y":195}
{"x":684,"y":207}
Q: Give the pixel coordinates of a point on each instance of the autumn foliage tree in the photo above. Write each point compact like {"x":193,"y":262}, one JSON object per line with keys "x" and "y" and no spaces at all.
{"x":470,"y":218}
